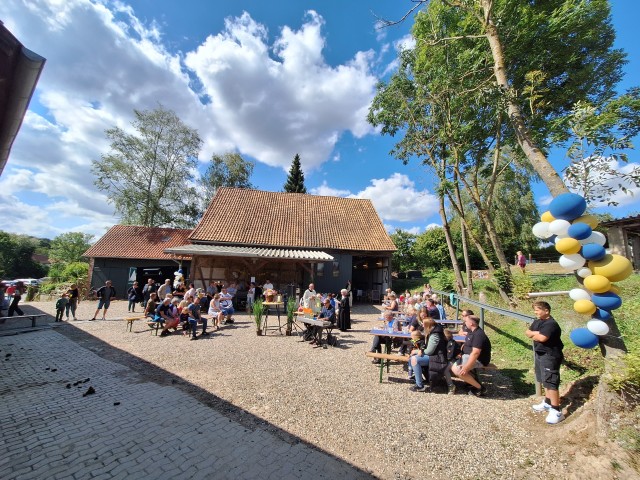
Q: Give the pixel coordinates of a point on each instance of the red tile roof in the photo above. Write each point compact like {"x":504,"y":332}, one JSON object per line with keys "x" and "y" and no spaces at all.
{"x":292,"y":220}
{"x":132,"y":241}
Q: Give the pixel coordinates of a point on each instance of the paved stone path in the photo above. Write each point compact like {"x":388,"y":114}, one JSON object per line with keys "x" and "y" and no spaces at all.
{"x":130,"y":427}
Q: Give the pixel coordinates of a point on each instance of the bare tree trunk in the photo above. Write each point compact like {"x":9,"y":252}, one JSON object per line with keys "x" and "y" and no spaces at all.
{"x":537,"y":159}
{"x":467,"y":263}
{"x":450,"y":245}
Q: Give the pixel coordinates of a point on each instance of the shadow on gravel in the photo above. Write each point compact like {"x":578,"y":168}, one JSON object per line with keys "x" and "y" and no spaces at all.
{"x":151,"y":372}
{"x":579,"y":393}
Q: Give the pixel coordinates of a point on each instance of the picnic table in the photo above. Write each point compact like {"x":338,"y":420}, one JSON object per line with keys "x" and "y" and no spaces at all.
{"x":31,"y":317}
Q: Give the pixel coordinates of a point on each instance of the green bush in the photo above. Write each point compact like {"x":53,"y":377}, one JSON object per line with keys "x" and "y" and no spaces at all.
{"x":626,"y":379}
{"x":503,"y":280}
{"x":522,"y":286}
{"x":444,"y":280}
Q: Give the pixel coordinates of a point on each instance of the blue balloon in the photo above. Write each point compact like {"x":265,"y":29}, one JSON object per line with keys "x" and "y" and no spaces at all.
{"x":606,"y":301}
{"x":579,"y":231}
{"x":583,"y":338}
{"x":567,"y":206}
{"x":601,"y":314}
{"x":593,"y":251}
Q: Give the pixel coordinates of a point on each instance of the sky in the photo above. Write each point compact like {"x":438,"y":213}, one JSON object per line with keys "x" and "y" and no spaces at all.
{"x":266,"y":79}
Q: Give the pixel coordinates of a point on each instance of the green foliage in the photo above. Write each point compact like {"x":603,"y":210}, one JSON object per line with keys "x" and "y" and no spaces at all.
{"x":430,"y":249}
{"x":295,"y":180}
{"x":600,"y":135}
{"x":443,"y":280}
{"x":403,"y":258}
{"x":69,"y":247}
{"x":227,"y":170}
{"x":257,"y":311}
{"x":147,"y":175}
{"x":522,"y":285}
{"x":16,"y":253}
{"x":503,"y":280}
{"x":292,"y":307}
{"x":626,"y":379}
{"x":73,"y":272}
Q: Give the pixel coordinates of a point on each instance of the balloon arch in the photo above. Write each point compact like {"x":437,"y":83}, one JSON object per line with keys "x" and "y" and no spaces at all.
{"x":582,"y":251}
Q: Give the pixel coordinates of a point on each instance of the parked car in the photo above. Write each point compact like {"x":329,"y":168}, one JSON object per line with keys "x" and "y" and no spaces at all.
{"x":29,"y":282}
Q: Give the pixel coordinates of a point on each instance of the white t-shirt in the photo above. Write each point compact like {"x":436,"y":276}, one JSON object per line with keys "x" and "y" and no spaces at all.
{"x":308,"y":294}
{"x":226,"y":300}
{"x":267,"y":286}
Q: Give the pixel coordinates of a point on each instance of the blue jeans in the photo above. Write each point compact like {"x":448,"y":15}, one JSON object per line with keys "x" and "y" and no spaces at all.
{"x":422,"y":361}
{"x":193,"y":322}
{"x":132,"y":305}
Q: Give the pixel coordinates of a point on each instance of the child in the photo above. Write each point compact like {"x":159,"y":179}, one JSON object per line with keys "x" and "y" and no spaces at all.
{"x":61,"y":305}
{"x":454,"y":351}
{"x":417,"y":345}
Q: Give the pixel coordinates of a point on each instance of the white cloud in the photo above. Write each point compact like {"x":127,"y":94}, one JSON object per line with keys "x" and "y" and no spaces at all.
{"x":326,"y":190}
{"x":271,"y":108}
{"x":396,"y":199}
{"x":268,"y":100}
{"x":405,"y":43}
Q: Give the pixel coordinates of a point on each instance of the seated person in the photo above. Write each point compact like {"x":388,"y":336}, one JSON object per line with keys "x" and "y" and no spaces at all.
{"x":328,"y":313}
{"x":150,"y":308}
{"x":476,"y":352}
{"x":417,"y":344}
{"x":173,"y":317}
{"x":194,"y":316}
{"x":163,"y":312}
{"x":378,"y":340}
{"x":180,"y":291}
{"x":432,"y":309}
{"x":434,"y":351}
{"x":226,"y":306}
{"x":463,"y":329}
{"x":184,"y":316}
{"x":393,"y":303}
{"x":215,"y":311}
{"x":454,"y":352}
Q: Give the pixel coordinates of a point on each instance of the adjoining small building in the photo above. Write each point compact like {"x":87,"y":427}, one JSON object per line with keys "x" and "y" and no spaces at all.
{"x":290,"y":239}
{"x":128,"y":252}
{"x":623,"y":237}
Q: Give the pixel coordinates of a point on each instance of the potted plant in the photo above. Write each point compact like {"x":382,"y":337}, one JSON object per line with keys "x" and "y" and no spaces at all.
{"x":292,"y":306}
{"x":258,"y":310}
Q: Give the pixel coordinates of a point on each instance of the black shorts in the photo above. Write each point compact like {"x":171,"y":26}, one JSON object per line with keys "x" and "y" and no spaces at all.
{"x":548,"y":370}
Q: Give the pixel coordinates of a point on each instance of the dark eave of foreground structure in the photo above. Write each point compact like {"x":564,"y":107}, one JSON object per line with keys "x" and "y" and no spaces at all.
{"x":20,"y":70}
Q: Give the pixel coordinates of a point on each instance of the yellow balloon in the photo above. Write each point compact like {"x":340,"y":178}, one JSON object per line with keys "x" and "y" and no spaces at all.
{"x":615,"y":267}
{"x":584,"y":306}
{"x":547,"y":217}
{"x":568,"y":246}
{"x":590,"y":220}
{"x":614,"y":289}
{"x":597,"y":283}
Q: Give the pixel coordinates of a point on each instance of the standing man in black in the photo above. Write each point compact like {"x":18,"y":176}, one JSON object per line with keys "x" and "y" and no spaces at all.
{"x":547,"y":345}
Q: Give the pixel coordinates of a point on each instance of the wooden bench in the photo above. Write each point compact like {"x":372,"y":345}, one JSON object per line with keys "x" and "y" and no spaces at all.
{"x":32,"y":317}
{"x":390,"y":357}
{"x":153,"y":324}
{"x":130,"y":321}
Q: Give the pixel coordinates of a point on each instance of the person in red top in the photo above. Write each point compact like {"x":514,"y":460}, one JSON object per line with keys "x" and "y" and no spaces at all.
{"x":18,"y":290}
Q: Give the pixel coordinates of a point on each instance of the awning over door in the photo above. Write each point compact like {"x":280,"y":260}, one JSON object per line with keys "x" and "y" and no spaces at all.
{"x":251,"y":252}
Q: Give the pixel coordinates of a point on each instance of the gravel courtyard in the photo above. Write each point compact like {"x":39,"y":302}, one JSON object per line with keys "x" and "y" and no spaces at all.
{"x":331,"y":398}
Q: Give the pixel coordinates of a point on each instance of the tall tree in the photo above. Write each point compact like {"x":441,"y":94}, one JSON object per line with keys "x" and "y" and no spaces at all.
{"x":148,"y":176}
{"x":227,"y":170}
{"x":69,"y":247}
{"x":16,"y":252}
{"x":403,"y":258}
{"x":295,"y":180}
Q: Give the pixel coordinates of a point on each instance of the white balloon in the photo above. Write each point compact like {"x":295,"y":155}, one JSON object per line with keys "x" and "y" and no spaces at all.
{"x":559,"y":227}
{"x":595,"y":237}
{"x":579,"y":294}
{"x":584,"y":272}
{"x":571,"y":262}
{"x":597,"y":327}
{"x":541,"y":230}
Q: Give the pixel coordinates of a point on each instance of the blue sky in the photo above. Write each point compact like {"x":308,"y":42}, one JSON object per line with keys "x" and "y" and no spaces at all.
{"x":295,"y":76}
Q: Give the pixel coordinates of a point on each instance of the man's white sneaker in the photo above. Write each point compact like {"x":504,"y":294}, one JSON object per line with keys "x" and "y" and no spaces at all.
{"x":555,"y":416}
{"x":541,"y":407}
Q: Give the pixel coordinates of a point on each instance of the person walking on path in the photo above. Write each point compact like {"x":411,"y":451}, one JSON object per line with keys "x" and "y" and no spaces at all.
{"x":105,"y":294}
{"x":17,"y":296}
{"x":521,"y":260}
{"x":61,"y":304}
{"x":547,"y":345}
{"x":74,"y":300}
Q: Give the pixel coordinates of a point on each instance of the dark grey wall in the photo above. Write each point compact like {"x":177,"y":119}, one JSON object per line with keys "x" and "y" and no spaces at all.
{"x":117,"y":270}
